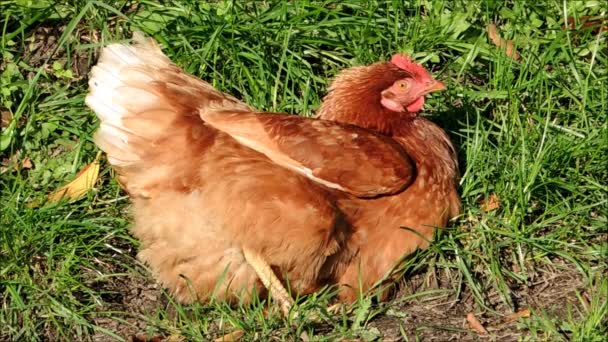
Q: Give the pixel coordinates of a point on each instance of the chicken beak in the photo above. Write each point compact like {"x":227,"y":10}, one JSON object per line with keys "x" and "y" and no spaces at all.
{"x":435,"y":86}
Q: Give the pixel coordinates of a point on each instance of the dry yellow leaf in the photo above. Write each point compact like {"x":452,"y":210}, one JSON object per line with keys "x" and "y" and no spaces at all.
{"x":84,"y":181}
{"x":475,"y":324}
{"x":517,"y":315}
{"x":497,"y":40}
{"x":231,"y":337}
{"x":175,"y":338}
{"x":491,"y":203}
{"x":27,"y":163}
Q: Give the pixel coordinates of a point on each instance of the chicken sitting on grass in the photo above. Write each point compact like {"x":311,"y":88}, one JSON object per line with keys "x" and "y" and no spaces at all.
{"x":228,"y":200}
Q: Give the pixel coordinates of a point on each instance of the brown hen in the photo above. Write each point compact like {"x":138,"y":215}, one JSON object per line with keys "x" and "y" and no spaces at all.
{"x":226,"y":199}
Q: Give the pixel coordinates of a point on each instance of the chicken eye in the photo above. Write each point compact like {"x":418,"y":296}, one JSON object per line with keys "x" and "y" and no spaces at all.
{"x":403,"y":85}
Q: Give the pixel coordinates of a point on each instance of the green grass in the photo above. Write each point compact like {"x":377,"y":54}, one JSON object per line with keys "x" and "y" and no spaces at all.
{"x":533,"y":131}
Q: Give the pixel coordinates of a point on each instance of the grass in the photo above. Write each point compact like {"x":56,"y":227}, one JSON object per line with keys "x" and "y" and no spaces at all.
{"x":532,"y":131}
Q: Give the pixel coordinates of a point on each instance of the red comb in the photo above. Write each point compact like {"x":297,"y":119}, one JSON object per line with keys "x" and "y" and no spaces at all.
{"x":405,"y":63}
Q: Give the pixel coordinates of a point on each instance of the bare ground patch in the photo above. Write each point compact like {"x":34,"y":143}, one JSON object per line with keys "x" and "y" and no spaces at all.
{"x":443,"y":317}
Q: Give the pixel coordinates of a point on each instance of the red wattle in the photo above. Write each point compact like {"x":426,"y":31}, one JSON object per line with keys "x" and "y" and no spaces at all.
{"x":416,"y":106}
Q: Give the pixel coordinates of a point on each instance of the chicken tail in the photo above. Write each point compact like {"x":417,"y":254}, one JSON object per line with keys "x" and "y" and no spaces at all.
{"x":148,"y":107}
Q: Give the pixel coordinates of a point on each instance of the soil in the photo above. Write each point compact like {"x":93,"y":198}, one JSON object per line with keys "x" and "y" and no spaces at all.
{"x":444,"y":318}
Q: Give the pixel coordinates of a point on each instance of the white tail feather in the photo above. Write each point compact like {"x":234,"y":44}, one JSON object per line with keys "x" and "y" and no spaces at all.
{"x":143,"y":99}
{"x":118,"y":90}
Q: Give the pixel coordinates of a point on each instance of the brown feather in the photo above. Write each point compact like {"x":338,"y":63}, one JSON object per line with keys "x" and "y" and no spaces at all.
{"x":342,"y":157}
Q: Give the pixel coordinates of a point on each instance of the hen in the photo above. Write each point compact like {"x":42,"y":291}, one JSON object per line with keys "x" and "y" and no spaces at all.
{"x":227,"y":200}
